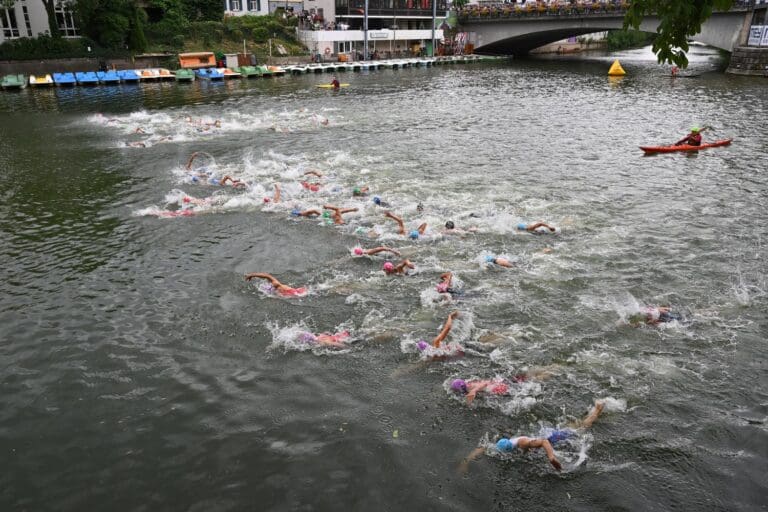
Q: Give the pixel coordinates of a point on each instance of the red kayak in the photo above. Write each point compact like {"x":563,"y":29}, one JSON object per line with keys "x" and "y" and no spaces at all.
{"x":684,"y":147}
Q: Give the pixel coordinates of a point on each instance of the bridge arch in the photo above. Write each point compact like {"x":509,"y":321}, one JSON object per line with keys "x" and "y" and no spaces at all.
{"x":518,"y":36}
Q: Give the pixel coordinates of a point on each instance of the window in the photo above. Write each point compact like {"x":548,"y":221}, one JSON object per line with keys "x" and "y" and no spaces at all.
{"x":10,"y":27}
{"x":254,"y":5}
{"x":65,"y":19}
{"x":234,"y":5}
{"x":26,"y":20}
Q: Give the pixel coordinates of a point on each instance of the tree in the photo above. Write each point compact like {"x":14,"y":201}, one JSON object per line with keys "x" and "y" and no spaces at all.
{"x":680,"y":19}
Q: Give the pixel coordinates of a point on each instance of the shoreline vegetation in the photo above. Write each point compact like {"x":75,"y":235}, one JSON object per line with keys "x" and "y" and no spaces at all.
{"x":223,"y":36}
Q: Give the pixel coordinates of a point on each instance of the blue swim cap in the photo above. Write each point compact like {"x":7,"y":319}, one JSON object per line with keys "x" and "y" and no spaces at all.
{"x":505,"y":445}
{"x":295,"y":212}
{"x":376,"y":200}
{"x":490,"y":259}
{"x":214,"y":181}
{"x":194,"y":179}
{"x":522,"y":226}
{"x":414,"y":234}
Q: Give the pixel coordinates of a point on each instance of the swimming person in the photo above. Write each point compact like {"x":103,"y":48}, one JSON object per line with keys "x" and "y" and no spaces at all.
{"x":390,"y":268}
{"x":235,"y":182}
{"x":326,"y":339}
{"x":653,"y":315}
{"x":306,"y":213}
{"x":414,"y":234}
{"x":472,"y":387}
{"x":451,"y":229}
{"x":335,"y":83}
{"x":549,"y":438}
{"x":537,"y":228}
{"x":359,"y":251}
{"x":280,"y":288}
{"x":378,"y":202}
{"x":337,"y":212}
{"x":498,"y":260}
{"x":360,"y":191}
{"x":446,"y":285}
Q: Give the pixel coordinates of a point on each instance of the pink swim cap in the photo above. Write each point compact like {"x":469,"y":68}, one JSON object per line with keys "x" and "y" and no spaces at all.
{"x":266,"y":199}
{"x":358,"y":251}
{"x":388,"y":267}
{"x":186,"y":199}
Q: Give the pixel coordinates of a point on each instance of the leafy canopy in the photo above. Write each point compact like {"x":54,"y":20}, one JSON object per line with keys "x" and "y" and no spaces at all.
{"x":680,"y":19}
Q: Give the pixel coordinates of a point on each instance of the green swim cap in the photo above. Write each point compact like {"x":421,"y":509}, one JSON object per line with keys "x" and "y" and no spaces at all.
{"x":695,"y":129}
{"x":327,"y":215}
{"x":356,"y":190}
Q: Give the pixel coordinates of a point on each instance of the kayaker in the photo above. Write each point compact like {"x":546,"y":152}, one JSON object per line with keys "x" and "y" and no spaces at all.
{"x":692,"y":139}
{"x":335,"y":83}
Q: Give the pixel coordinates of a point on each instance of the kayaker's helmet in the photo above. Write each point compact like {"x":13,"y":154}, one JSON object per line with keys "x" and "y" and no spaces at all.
{"x":695,"y":129}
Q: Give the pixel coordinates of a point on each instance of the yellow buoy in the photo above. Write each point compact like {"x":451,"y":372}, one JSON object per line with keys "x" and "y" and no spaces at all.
{"x":616,"y":69}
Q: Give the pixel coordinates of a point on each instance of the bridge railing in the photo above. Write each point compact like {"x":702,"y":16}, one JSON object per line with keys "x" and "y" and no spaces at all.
{"x":557,"y":9}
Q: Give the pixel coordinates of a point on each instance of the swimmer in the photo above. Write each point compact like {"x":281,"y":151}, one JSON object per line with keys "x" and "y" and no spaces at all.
{"x":445,"y":285}
{"x":306,"y":213}
{"x":536,"y":228}
{"x":314,"y":187}
{"x":281,"y":288}
{"x":359,"y":251}
{"x":326,"y":339}
{"x":235,"y":183}
{"x":360,"y":191}
{"x":337,"y":212}
{"x":137,"y":144}
{"x":390,"y":268}
{"x":472,"y":387}
{"x":653,"y":315}
{"x":138,"y":130}
{"x":551,"y":437}
{"x":497,"y":260}
{"x":414,"y":234}
{"x":314,"y":173}
{"x":378,"y":202}
{"x":451,"y":229}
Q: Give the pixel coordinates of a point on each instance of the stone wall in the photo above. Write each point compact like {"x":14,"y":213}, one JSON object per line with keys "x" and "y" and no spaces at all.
{"x":41,"y":67}
{"x":748,"y":60}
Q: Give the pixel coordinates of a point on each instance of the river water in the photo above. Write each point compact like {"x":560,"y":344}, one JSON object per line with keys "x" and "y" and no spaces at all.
{"x":140,"y":371}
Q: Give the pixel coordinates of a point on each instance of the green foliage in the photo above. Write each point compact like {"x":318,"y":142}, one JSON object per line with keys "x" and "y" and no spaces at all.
{"x":111,"y":23}
{"x":49,"y":47}
{"x":679,"y":20}
{"x":203,"y":10}
{"x":622,"y":39}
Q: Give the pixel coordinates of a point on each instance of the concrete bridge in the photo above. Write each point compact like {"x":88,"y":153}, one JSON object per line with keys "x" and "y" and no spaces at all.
{"x":504,"y":33}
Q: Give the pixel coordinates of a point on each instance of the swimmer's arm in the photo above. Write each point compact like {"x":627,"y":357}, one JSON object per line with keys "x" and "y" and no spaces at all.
{"x":396,"y":219}
{"x":277,"y":193}
{"x":310,"y":213}
{"x":376,"y":250}
{"x":445,"y":330}
{"x":537,"y":225}
{"x":347,"y":210}
{"x":422,"y":228}
{"x":446,"y":277}
{"x":191,"y":159}
{"x":263,"y":275}
{"x":473,"y":455}
{"x":476,"y":388}
{"x":547,"y":446}
{"x":313,"y":173}
{"x":330,"y":207}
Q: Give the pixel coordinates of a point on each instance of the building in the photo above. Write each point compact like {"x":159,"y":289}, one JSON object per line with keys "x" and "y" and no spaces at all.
{"x":27,"y":18}
{"x":330,"y":28}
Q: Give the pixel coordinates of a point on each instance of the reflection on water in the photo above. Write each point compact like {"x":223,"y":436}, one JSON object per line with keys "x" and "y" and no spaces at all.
{"x":139,"y":365}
